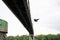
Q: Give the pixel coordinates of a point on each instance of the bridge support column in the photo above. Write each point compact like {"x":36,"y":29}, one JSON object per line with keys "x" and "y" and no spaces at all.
{"x":3,"y":29}
{"x":31,"y":37}
{"x":2,"y":36}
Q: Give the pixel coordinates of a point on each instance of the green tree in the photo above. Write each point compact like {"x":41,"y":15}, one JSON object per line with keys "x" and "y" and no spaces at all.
{"x":18,"y":38}
{"x":58,"y":37}
{"x":10,"y":38}
{"x":40,"y":37}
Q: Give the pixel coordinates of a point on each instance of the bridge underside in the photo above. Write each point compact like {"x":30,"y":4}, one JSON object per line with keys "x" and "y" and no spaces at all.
{"x":21,"y":10}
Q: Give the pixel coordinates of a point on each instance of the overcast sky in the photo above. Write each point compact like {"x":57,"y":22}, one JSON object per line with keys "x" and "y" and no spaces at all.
{"x":47,"y":11}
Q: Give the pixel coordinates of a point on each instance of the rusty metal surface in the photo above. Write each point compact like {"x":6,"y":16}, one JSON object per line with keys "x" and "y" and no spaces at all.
{"x":3,"y":26}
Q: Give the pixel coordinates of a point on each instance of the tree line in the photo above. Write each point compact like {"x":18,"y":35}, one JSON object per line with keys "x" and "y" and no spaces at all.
{"x":38,"y":37}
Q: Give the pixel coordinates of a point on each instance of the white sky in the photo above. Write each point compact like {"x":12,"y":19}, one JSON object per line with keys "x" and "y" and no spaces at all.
{"x":48,"y":11}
